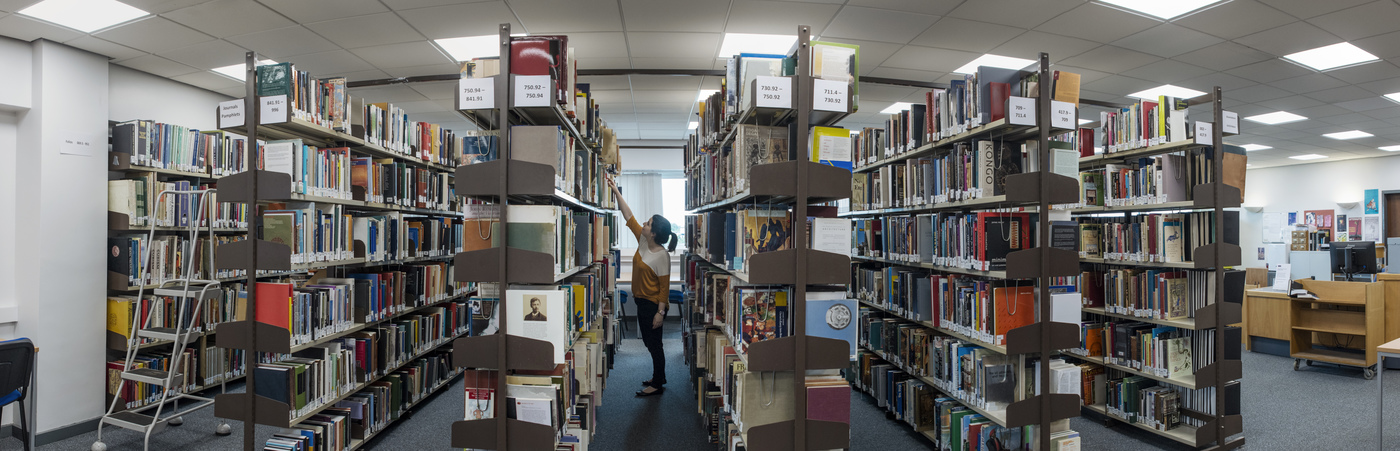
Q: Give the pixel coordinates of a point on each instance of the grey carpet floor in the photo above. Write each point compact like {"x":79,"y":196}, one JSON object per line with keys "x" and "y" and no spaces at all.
{"x":1320,"y":407}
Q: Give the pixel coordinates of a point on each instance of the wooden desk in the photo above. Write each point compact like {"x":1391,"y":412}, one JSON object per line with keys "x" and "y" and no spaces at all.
{"x":1342,"y":309}
{"x":1388,"y":350}
{"x":1392,"y":305}
{"x":1265,"y":315}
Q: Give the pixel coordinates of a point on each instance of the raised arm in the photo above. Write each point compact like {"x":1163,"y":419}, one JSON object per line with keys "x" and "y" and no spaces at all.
{"x":622,"y":204}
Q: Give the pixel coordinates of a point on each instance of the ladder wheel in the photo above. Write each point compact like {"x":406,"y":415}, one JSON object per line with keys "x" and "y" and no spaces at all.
{"x":176,"y":421}
{"x":99,"y":446}
{"x":1369,"y":373}
{"x":223,"y":429}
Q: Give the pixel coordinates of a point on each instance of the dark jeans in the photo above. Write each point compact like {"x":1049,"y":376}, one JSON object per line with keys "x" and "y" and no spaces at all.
{"x":651,"y":337}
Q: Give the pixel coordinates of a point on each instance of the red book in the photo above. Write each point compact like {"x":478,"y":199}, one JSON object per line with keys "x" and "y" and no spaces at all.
{"x":829,"y":403}
{"x":275,"y":304}
{"x":1086,"y":142}
{"x":1015,"y":307}
{"x":1000,"y":93}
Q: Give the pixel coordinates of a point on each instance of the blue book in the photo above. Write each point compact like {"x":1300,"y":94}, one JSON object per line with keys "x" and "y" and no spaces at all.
{"x":833,"y":318}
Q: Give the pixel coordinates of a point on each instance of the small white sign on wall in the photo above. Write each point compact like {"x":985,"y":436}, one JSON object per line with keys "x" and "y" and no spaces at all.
{"x":76,"y":143}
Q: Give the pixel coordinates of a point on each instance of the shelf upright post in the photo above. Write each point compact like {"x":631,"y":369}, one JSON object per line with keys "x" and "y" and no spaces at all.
{"x":251,"y":115}
{"x":803,"y":96}
{"x":503,"y":102}
{"x":1217,"y":177}
{"x":1042,"y":120}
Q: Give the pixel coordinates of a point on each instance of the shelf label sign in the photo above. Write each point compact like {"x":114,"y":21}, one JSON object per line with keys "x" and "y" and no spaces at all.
{"x":1062,"y":115}
{"x":476,"y":94}
{"x":773,"y":92}
{"x":1231,"y":123}
{"x":532,"y":90}
{"x":274,"y":110}
{"x":829,"y":95}
{"x":1020,"y":111}
{"x":231,"y":113}
{"x":1204,"y":133}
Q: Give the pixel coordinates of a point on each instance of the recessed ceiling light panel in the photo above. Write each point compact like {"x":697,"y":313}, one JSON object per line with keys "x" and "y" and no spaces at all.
{"x":1004,"y":62}
{"x":1254,"y":147}
{"x":1163,"y":9}
{"x":1353,"y":134}
{"x":86,"y":16}
{"x":1389,"y":148}
{"x":236,"y":71}
{"x":1311,"y":156}
{"x":1331,"y":57}
{"x":1277,"y":117}
{"x":772,"y":44}
{"x":896,"y":107}
{"x":468,"y":48}
{"x":1167,"y":90}
{"x":694,"y":125}
{"x":705,"y":94}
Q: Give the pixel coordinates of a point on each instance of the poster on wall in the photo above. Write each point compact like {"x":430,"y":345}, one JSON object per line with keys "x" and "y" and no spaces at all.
{"x":1292,"y":218}
{"x":1371,"y":228}
{"x":1275,"y":230}
{"x":1354,"y":228}
{"x":1373,"y":201}
{"x":1319,"y":219}
{"x":1341,"y":228}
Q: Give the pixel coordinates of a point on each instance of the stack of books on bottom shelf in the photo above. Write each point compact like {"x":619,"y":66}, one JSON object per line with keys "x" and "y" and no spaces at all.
{"x":198,"y":367}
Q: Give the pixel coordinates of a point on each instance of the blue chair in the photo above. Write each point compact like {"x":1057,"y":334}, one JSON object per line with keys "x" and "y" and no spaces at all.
{"x":16,"y":369}
{"x":622,"y":296}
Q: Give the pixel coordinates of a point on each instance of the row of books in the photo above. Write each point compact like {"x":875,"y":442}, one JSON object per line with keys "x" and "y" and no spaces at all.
{"x":357,"y":298}
{"x":732,"y":238}
{"x":977,"y":241}
{"x":968,"y":171}
{"x":168,"y":254}
{"x":1163,"y":351}
{"x":1165,"y":119}
{"x":169,"y":146}
{"x":163,"y":311}
{"x":139,"y":198}
{"x":573,"y":238}
{"x":722,"y":172}
{"x":198,"y":366}
{"x":1137,"y":399}
{"x":309,"y":379}
{"x":756,"y":313}
{"x":830,"y":61}
{"x":321,"y":232}
{"x":1155,"y":237}
{"x":578,"y":171}
{"x":1152,"y":293}
{"x":331,"y":172}
{"x":365,"y":413}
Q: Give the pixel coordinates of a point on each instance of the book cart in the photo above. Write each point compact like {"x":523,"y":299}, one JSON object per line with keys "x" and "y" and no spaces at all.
{"x":506,"y":181}
{"x":1042,"y":339}
{"x":1223,"y":375}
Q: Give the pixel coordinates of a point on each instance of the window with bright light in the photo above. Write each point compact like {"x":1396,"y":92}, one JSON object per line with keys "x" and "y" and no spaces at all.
{"x":673,"y":203}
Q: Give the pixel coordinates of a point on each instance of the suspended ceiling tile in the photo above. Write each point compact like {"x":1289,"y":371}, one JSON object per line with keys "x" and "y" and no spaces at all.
{"x":1383,"y":46}
{"x":627,"y":134}
{"x":886,"y":93}
{"x":606,"y":82}
{"x":1270,"y":70}
{"x":670,"y":63}
{"x":419,"y":71}
{"x":645,"y":106}
{"x":400,"y":5}
{"x":620,"y":126}
{"x":878,"y":25}
{"x":153,"y":34}
{"x":673,"y":45}
{"x":931,"y":7}
{"x":221,"y":18}
{"x":1120,"y":85}
{"x":1368,"y":72}
{"x":1257,"y":93}
{"x":1308,"y":83}
{"x":439,"y":117}
{"x":284,"y":42}
{"x":676,"y":126}
{"x":1340,"y":94}
{"x":26,"y":29}
{"x":661,"y":134}
{"x":208,"y":80}
{"x":569,"y":15}
{"x":1097,"y":22}
{"x":1225,"y":81}
{"x":672,"y":15}
{"x":768,"y":17}
{"x":612,"y":96}
{"x":158,"y":66}
{"x":929,"y":59}
{"x":872,"y":54}
{"x":1346,"y":119}
{"x":1390,"y":111}
{"x":318,"y":10}
{"x":1360,"y":22}
{"x":680,"y":97}
{"x":604,"y":63}
{"x":599,"y":45}
{"x":1382,"y":87}
{"x":1167,"y":40}
{"x":390,"y":94}
{"x":966,"y":35}
{"x":1111,"y":59}
{"x":1085,"y":75}
{"x":1168,"y":71}
{"x":419,"y":53}
{"x":1234,"y":19}
{"x":150,"y":6}
{"x":1012,"y":12}
{"x":1288,"y":39}
{"x":365,"y":31}
{"x":437,"y":90}
{"x":208,"y":55}
{"x":103,"y":47}
{"x":235,"y":92}
{"x":1291,"y":103}
{"x":664,"y":83}
{"x":905,"y":74}
{"x":1304,"y":9}
{"x":419,"y":106}
{"x":334,"y":61}
{"x":1029,"y":45}
{"x":459,"y":20}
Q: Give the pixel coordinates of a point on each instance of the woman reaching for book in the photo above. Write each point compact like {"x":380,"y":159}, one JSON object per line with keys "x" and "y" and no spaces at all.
{"x":651,"y":285}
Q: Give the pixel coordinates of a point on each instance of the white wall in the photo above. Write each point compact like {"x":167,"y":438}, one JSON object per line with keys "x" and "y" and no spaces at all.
{"x":1316,"y":186}
{"x":139,"y":95}
{"x":652,"y":159}
{"x":15,"y":75}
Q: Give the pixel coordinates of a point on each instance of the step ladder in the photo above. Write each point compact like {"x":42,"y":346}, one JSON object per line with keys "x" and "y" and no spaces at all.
{"x":153,"y":417}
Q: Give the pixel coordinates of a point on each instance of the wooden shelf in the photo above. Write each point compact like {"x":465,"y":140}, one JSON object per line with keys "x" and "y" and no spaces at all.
{"x":1187,"y":382}
{"x":1188,"y":323}
{"x":1175,"y":146}
{"x":1331,"y":356}
{"x":1183,"y":433}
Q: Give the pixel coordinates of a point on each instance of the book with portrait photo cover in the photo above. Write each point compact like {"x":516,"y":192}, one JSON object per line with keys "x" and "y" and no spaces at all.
{"x":540,"y":313}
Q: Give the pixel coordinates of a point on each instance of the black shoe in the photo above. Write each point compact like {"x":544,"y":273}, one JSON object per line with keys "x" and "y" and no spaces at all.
{"x":643,"y":393}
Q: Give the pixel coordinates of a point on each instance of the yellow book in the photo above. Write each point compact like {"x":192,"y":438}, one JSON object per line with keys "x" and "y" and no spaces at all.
{"x":119,"y":315}
{"x":831,"y":146}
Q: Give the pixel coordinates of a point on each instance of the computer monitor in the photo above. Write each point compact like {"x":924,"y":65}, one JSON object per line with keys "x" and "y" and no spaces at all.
{"x":1353,"y":257}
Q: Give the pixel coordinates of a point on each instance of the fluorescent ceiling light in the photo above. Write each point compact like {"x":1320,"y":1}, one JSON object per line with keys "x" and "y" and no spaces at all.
{"x":694,"y":125}
{"x":1348,"y":135}
{"x":470,"y":47}
{"x":705,"y":94}
{"x":84,"y":15}
{"x":855,"y":132}
{"x":772,"y":44}
{"x":1247,"y":165}
{"x":1167,"y":90}
{"x":236,"y":71}
{"x":1394,"y":97}
{"x":1332,"y":56}
{"x":896,"y":107}
{"x":1311,"y":156}
{"x":1277,"y":117}
{"x":1004,"y":62}
{"x":1389,"y":148}
{"x":1254,"y":147}
{"x":1084,"y":121}
{"x":1162,"y":9}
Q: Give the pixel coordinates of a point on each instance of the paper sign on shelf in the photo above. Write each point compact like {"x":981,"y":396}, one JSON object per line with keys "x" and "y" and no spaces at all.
{"x":829,"y":95}
{"x":476,"y":94}
{"x":1061,"y":114}
{"x":274,"y":110}
{"x":231,"y":113}
{"x":1230,"y":124}
{"x":1204,"y":134}
{"x":532,"y":90}
{"x":1282,"y":277}
{"x":773,"y":92}
{"x":1020,"y":111}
